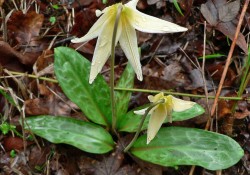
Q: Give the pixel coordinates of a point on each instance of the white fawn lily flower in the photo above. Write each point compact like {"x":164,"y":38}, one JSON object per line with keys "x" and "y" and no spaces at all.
{"x":130,"y":20}
{"x":162,"y":111}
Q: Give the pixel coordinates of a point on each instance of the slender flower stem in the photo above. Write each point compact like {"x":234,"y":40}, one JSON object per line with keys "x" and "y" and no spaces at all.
{"x":112,"y":71}
{"x":141,"y":124}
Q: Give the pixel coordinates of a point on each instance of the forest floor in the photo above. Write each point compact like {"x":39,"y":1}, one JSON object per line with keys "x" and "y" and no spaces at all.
{"x":32,"y":29}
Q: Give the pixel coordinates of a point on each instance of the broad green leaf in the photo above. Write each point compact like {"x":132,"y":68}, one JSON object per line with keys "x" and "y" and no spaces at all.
{"x":83,"y":135}
{"x":123,"y":97}
{"x":130,"y":121}
{"x":196,"y":110}
{"x":72,"y":71}
{"x":175,"y":146}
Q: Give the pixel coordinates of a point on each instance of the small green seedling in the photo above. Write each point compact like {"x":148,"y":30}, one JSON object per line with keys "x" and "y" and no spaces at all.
{"x":52,"y":20}
{"x":13,"y":153}
{"x":6,"y":128}
{"x":55,"y":6}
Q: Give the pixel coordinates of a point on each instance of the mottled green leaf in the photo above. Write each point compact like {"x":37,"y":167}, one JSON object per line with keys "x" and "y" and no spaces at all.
{"x":130,"y":121}
{"x":72,"y":71}
{"x":83,"y":135}
{"x":175,"y":146}
{"x":123,"y":97}
{"x":196,"y":110}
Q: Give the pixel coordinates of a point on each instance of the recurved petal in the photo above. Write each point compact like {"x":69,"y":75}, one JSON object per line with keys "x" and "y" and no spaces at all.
{"x":95,"y":30}
{"x":181,"y":105}
{"x":156,"y":98}
{"x":150,"y":24}
{"x":103,"y":48}
{"x":156,"y":120}
{"x":132,"y":4}
{"x":141,"y":111}
{"x":128,"y":42}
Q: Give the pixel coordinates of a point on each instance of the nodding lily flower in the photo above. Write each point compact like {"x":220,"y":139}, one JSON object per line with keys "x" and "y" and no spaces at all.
{"x":130,"y":20}
{"x":162,"y":111}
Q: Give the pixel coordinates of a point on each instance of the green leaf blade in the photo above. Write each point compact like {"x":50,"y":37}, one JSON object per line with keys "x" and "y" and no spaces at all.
{"x":196,"y":110}
{"x":72,"y":71}
{"x":130,"y":121}
{"x":123,"y":97}
{"x":83,"y":135}
{"x":175,"y":146}
{"x":177,"y":7}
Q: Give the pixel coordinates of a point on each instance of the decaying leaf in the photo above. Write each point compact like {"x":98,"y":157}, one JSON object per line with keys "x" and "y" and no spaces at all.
{"x":220,"y":14}
{"x":197,"y":80}
{"x":14,"y":143}
{"x":229,"y":11}
{"x":49,"y":104}
{"x":10,"y":58}
{"x":1,"y":2}
{"x":210,"y":13}
{"x":228,"y":29}
{"x":216,"y":71}
{"x":25,"y":31}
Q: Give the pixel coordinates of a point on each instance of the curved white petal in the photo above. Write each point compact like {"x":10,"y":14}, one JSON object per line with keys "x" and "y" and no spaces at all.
{"x":181,"y":105}
{"x":150,"y":24}
{"x":156,"y":98}
{"x":98,"y":13}
{"x":128,"y":42}
{"x":156,"y":120}
{"x":151,"y":98}
{"x":103,"y":47}
{"x":141,"y":111}
{"x":95,"y":30}
{"x":132,"y":4}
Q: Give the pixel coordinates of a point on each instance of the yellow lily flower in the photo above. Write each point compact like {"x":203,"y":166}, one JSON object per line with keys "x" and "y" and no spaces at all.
{"x":160,"y":112}
{"x":130,"y":20}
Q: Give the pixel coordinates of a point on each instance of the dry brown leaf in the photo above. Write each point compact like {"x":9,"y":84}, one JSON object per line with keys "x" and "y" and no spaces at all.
{"x":220,"y":14}
{"x":110,"y":164}
{"x":151,"y":2}
{"x":210,"y":13}
{"x":216,"y":71}
{"x":10,"y":58}
{"x":228,"y":29}
{"x":25,"y":31}
{"x":242,"y":115}
{"x":38,"y":157}
{"x":14,"y":143}
{"x":197,"y":80}
{"x":1,"y":2}
{"x":48,"y":104}
{"x":229,"y":11}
